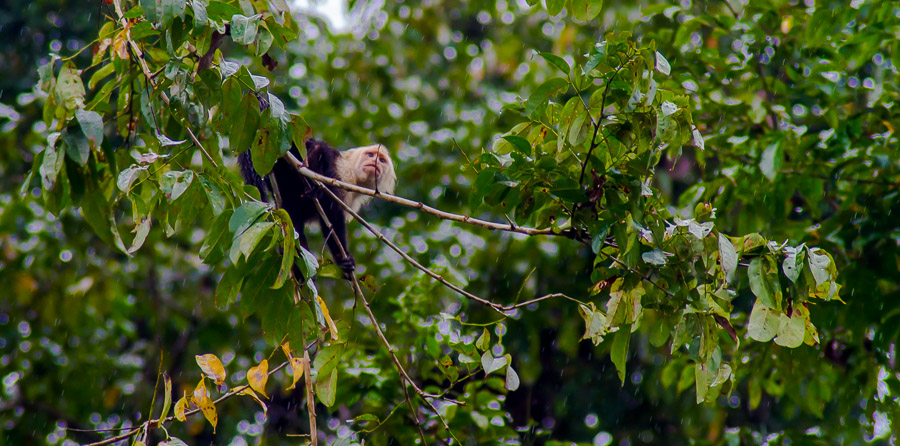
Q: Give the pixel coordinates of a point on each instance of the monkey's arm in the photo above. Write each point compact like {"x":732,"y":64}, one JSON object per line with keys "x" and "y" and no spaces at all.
{"x":337,"y":237}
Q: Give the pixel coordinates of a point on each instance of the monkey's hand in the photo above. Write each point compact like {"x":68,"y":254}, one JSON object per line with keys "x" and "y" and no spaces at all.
{"x":348,"y":265}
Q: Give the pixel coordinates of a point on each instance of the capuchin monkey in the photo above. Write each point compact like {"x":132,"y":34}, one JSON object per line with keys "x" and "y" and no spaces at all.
{"x":369,"y":166}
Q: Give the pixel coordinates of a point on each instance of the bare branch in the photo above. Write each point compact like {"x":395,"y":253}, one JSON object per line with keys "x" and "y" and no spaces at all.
{"x":423,"y":207}
{"x":155,"y":422}
{"x":502,"y":309}
{"x":354,"y":283}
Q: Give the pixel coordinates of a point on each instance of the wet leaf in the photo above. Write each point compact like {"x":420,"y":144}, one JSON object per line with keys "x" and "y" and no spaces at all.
{"x":512,"y":379}
{"x":180,"y":407}
{"x":201,"y":399}
{"x":258,"y":376}
{"x":619,"y":351}
{"x":727,"y":255}
{"x":212,"y":367}
{"x":331,"y":327}
{"x":491,"y":364}
{"x":764,"y":322}
{"x":297,"y":371}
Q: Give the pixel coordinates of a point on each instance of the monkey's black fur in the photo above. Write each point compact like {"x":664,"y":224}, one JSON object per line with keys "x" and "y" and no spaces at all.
{"x":298,"y":194}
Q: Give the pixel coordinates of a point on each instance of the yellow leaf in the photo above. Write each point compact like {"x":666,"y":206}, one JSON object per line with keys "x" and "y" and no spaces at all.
{"x":247,"y":391}
{"x":180,"y":407}
{"x":258,"y":376}
{"x":120,"y":46}
{"x":331,"y":326}
{"x":212,"y":367}
{"x":205,"y":404}
{"x":297,"y":368}
{"x":286,"y":347}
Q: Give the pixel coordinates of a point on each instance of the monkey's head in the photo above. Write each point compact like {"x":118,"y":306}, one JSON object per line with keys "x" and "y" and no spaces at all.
{"x":370,"y":165}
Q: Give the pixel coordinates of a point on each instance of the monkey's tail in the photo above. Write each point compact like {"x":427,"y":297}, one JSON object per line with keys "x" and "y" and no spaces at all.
{"x":250,"y":175}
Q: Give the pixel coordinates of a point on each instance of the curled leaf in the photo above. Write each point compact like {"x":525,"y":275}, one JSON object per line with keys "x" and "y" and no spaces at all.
{"x":257,"y":376}
{"x":212,"y":367}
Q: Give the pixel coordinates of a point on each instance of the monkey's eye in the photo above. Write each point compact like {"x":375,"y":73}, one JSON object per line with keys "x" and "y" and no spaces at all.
{"x":382,"y":160}
{"x":370,"y":154}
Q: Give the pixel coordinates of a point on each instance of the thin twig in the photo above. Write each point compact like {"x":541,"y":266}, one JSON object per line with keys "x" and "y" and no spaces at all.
{"x":354,"y":282}
{"x":422,"y":206}
{"x":502,"y":309}
{"x":139,"y":55}
{"x":158,"y":422}
{"x":599,"y":123}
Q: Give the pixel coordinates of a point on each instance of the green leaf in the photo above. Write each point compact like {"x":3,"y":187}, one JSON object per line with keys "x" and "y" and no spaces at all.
{"x":94,"y":209}
{"x":790,"y":330}
{"x":52,"y":163}
{"x":247,"y":241}
{"x":619,"y":351}
{"x":215,"y":238}
{"x":262,"y":153}
{"x":288,"y":250}
{"x":727,"y":255}
{"x":170,"y":10}
{"x":216,"y":200}
{"x":326,"y":388}
{"x":760,"y":284}
{"x":101,"y":74}
{"x":91,"y":125}
{"x":771,"y":160}
{"x":166,"y":141}
{"x":586,"y":10}
{"x":308,"y":264}
{"x":818,"y":265}
{"x":200,"y":15}
{"x":554,"y":7}
{"x":243,"y":28}
{"x":793,"y":263}
{"x":174,"y":183}
{"x":484,"y":341}
{"x":662,"y":65}
{"x":538,"y":100}
{"x":655,"y":257}
{"x":245,"y":216}
{"x":702,"y":379}
{"x":264,"y":40}
{"x":69,"y":87}
{"x":520,"y":144}
{"x":556,"y":61}
{"x":141,"y":231}
{"x":512,"y":379}
{"x":152,"y":9}
{"x":244,"y":124}
{"x":764,"y":322}
{"x":114,"y":231}
{"x":491,"y":364}
{"x":229,"y":285}
{"x":77,"y":146}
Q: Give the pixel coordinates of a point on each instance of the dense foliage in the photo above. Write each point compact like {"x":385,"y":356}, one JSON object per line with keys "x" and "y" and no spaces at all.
{"x":692,"y":202}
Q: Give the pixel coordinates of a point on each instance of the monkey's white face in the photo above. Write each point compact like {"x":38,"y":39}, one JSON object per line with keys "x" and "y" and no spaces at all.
{"x":366,"y":166}
{"x":373,"y":162}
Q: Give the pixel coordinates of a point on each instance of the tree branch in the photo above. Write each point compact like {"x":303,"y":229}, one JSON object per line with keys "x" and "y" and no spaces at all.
{"x":155,"y":422}
{"x":354,"y":283}
{"x":502,"y":309}
{"x":423,"y":207}
{"x":138,"y":54}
